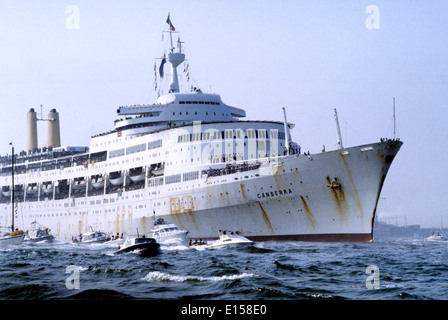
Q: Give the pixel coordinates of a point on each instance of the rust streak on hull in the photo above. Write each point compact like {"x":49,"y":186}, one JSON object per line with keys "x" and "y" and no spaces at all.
{"x":355,"y":190}
{"x":266,"y":218}
{"x":309,"y":215}
{"x":341,"y":202}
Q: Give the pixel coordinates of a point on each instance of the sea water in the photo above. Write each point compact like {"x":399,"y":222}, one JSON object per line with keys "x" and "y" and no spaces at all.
{"x":387,"y":269}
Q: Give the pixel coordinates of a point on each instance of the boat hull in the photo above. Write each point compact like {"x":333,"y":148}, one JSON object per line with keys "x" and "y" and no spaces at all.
{"x":12,"y":240}
{"x":180,"y":237}
{"x":47,"y":238}
{"x":142,"y":249}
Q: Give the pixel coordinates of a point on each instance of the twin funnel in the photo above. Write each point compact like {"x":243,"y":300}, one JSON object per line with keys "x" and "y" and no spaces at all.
{"x":53,"y":131}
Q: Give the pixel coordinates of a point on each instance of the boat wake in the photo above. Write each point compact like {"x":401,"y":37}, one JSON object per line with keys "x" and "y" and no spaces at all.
{"x":155,"y":276}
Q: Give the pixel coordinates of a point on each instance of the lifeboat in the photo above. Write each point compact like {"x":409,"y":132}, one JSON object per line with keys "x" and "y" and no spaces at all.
{"x":137,"y":175}
{"x":6,"y":192}
{"x":32,"y":188}
{"x":98,"y":182}
{"x":47,"y":187}
{"x":117,"y":178}
{"x":79,"y":184}
{"x":158,"y":170}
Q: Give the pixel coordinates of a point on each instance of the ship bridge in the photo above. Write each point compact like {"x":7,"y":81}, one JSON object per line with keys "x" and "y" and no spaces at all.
{"x":175,"y":109}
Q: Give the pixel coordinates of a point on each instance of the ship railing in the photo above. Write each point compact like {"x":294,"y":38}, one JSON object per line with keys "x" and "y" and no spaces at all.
{"x":231,"y":169}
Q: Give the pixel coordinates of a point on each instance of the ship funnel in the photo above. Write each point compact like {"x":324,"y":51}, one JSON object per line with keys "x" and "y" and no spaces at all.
{"x":53,"y":133}
{"x":32,"y":131}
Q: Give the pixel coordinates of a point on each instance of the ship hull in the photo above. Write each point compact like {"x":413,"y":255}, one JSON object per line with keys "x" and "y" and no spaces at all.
{"x":330,"y":196}
{"x":298,"y":199}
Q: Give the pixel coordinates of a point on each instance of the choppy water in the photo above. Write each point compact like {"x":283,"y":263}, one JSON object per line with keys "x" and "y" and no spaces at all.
{"x":408,"y":269}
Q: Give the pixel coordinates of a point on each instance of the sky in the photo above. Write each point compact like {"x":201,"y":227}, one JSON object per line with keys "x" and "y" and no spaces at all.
{"x":86,"y":58}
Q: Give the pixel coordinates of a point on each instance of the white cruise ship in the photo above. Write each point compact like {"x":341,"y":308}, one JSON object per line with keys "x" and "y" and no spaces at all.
{"x":194,"y":161}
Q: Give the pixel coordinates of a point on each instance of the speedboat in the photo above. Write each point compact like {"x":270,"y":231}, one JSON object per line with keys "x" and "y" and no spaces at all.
{"x":226,"y":239}
{"x":14,"y":238}
{"x":39,"y":233}
{"x":436,"y":237}
{"x":92,"y":237}
{"x":140,"y":245}
{"x":165,"y":232}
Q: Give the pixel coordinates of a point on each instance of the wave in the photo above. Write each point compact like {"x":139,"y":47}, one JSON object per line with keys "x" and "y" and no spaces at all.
{"x":162,"y":276}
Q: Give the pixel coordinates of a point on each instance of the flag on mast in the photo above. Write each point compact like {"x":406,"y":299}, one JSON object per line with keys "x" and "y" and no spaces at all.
{"x":161,"y":67}
{"x":168,"y":20}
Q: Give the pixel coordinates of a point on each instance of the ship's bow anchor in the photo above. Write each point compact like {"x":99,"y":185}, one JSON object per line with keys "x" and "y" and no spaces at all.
{"x":333,"y":184}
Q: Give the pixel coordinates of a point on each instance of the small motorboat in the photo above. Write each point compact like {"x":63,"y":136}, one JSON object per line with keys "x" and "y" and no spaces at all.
{"x":436,"y":237}
{"x":226,"y":239}
{"x":165,"y":232}
{"x":38,"y":233}
{"x":92,"y":237}
{"x":141,"y":245}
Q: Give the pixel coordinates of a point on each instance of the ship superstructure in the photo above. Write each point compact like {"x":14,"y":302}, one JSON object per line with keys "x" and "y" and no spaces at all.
{"x":193,"y":160}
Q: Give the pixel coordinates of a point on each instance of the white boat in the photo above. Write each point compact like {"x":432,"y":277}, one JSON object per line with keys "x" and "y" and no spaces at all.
{"x":98,"y":182}
{"x":48,"y":188}
{"x":118,"y":178}
{"x":436,"y":237}
{"x":32,"y":189}
{"x":14,"y":238}
{"x":137,"y":175}
{"x":92,"y":237}
{"x":141,"y":245}
{"x":165,"y":232}
{"x":6,"y":192}
{"x":38,"y":233}
{"x":79,"y":184}
{"x":158,"y":171}
{"x":226,"y":240}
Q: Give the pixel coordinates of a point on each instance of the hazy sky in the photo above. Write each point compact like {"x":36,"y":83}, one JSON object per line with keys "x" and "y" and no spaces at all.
{"x":86,"y":58}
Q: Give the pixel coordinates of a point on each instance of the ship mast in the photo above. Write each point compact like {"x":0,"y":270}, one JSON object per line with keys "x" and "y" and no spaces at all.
{"x":175,"y":58}
{"x":395,"y":126}
{"x":340,"y":146}
{"x":12,"y":190}
{"x":287,"y":134}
